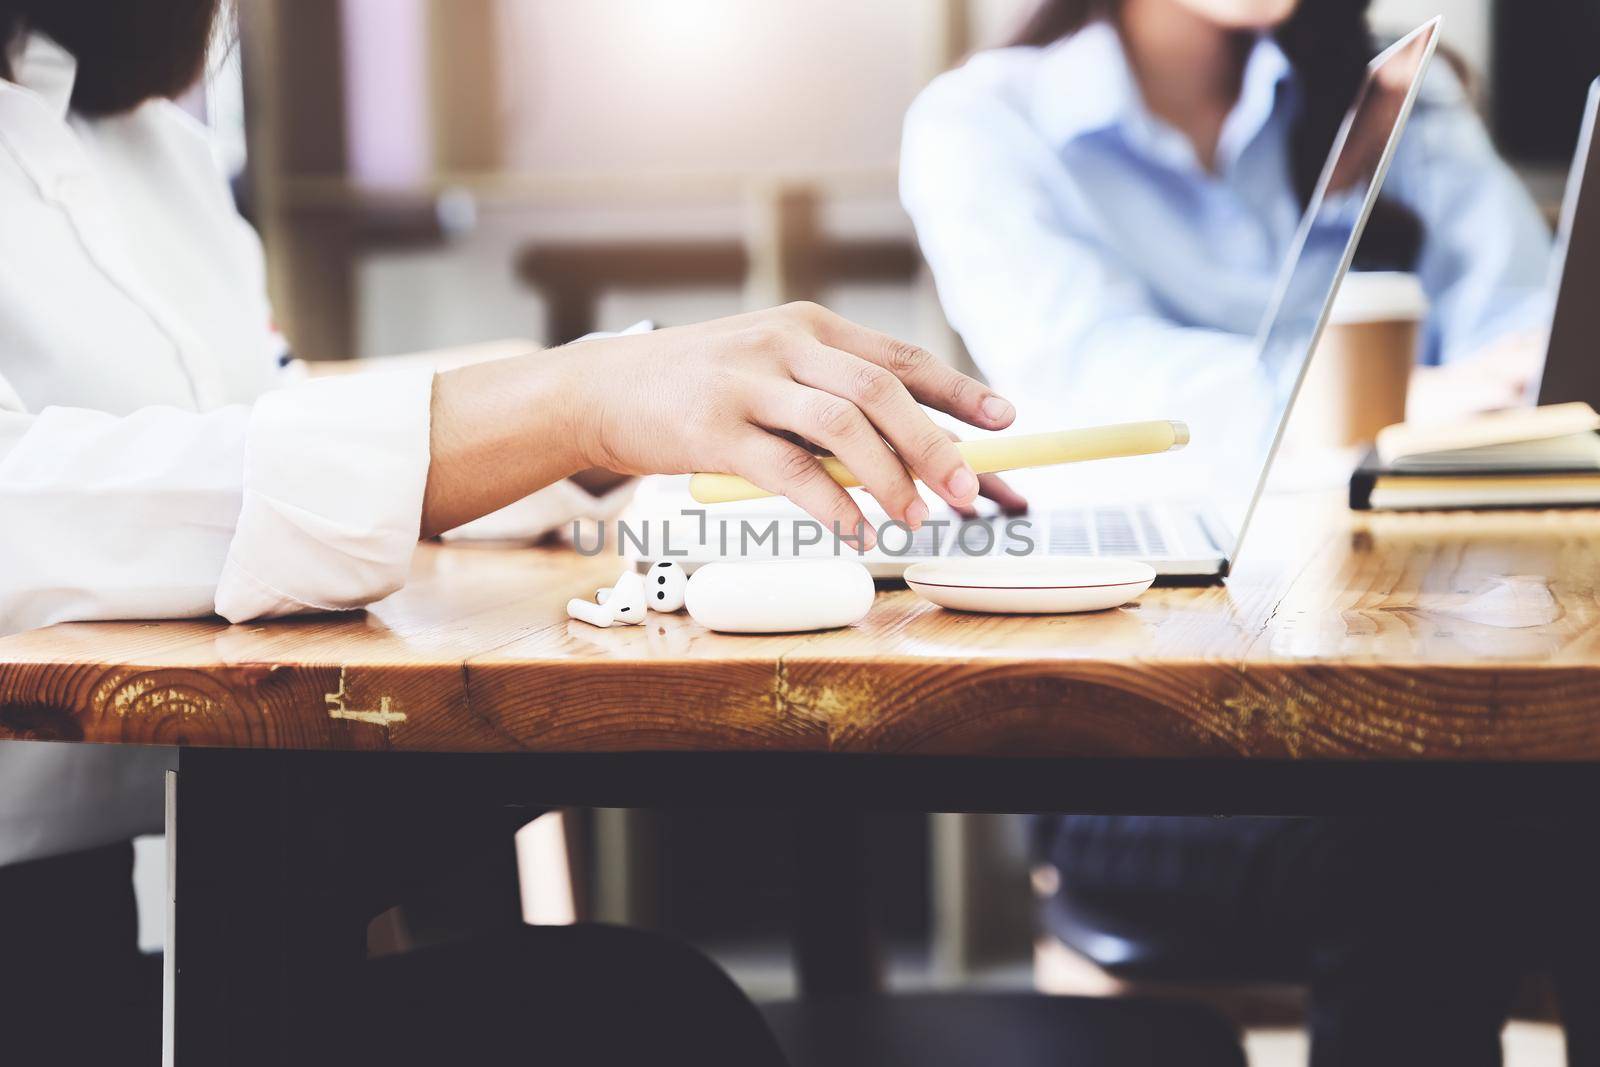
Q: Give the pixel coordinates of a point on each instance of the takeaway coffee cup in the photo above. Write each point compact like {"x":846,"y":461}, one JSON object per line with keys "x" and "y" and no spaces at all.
{"x":1359,"y":376}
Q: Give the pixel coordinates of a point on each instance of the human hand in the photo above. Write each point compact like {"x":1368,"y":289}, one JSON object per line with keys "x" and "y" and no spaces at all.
{"x":995,"y":488}
{"x":732,"y":396}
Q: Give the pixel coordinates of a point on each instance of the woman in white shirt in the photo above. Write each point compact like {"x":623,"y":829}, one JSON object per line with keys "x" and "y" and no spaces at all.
{"x":153,"y":465}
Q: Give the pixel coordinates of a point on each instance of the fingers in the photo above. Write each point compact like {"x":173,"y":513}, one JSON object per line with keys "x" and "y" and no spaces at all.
{"x":995,"y":488}
{"x":830,"y":419}
{"x":780,"y":466}
{"x":920,"y":445}
{"x":932,"y":382}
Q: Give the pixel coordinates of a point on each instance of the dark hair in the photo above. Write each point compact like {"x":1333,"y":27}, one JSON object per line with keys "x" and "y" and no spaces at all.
{"x":1329,"y":45}
{"x":128,"y":51}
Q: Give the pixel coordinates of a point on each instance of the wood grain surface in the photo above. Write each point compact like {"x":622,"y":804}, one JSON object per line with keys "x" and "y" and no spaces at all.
{"x":1423,"y":636}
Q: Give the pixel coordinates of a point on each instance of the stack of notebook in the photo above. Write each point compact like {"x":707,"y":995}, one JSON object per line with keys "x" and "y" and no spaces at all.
{"x":1533,"y":457}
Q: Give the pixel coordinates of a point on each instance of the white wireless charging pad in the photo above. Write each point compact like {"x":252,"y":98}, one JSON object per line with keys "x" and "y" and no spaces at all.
{"x":1028,"y":586}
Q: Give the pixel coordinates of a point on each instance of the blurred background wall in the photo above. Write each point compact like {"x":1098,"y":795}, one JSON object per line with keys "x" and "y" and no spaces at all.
{"x":592,"y":164}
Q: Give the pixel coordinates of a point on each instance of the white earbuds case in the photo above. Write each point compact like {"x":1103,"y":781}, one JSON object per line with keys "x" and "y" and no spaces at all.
{"x":779,"y":596}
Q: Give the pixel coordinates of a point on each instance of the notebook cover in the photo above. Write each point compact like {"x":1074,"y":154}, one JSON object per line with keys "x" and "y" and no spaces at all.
{"x":1365,"y":478}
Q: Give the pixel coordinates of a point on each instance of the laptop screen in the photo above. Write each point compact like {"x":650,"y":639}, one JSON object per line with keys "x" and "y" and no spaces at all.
{"x":1327,"y":239}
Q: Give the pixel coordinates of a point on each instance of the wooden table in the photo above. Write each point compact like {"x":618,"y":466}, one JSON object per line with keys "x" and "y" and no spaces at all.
{"x":1352,"y":664}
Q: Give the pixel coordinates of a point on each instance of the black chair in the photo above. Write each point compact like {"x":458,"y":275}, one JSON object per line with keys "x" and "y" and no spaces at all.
{"x":608,"y":995}
{"x":1167,"y":946}
{"x":1016,"y":1029}
{"x":1172,"y":899}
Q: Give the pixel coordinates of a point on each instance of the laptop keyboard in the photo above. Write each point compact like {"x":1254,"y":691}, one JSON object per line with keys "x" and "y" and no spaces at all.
{"x":1170,"y":536}
{"x":1100,"y":531}
{"x":1106,"y":531}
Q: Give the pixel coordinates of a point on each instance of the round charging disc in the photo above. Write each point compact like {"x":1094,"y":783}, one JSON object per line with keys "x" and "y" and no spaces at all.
{"x":1029,"y":586}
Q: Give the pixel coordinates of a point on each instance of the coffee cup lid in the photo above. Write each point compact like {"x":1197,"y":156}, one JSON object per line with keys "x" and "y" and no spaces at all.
{"x":1379,"y":296}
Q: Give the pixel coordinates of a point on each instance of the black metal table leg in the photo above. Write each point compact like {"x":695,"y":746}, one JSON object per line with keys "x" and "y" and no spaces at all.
{"x":264,"y":940}
{"x":836,"y":949}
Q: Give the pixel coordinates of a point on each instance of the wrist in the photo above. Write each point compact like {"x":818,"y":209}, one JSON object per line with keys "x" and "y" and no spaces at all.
{"x":568,"y":381}
{"x":544,"y":403}
{"x":580,"y":380}
{"x":501,"y":430}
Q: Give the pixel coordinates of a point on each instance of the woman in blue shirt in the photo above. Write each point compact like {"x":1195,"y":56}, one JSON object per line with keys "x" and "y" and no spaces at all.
{"x":1113,"y":198}
{"x":1106,"y":206}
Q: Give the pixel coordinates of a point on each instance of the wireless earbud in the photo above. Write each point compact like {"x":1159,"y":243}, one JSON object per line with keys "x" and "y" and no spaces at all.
{"x":584,"y":611}
{"x":624,"y":603}
{"x":664,"y":584}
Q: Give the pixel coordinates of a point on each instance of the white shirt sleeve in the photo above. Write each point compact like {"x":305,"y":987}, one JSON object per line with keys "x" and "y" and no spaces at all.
{"x":1051,"y":317}
{"x":309,"y":499}
{"x":109,"y":517}
{"x":334,"y":473}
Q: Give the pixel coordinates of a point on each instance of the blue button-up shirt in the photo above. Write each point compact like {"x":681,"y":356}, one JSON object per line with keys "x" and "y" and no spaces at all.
{"x":1094,"y":266}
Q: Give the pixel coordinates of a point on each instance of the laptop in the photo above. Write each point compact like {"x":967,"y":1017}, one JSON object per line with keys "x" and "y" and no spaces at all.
{"x":1195,"y":540}
{"x":1572,"y":356}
